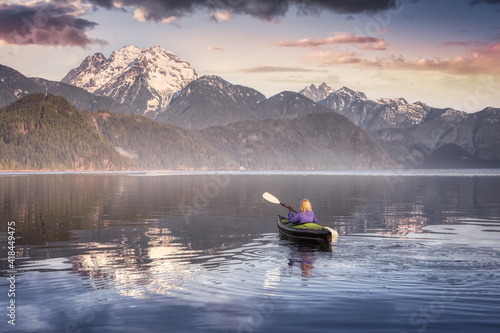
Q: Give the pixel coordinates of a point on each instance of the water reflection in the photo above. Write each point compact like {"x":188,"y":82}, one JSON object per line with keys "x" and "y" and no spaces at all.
{"x":124,"y":245}
{"x":121,"y":209}
{"x":140,"y":263}
{"x":420,"y":201}
{"x":305,"y":262}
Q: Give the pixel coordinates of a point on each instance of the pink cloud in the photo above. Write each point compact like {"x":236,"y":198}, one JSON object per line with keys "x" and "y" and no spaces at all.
{"x":381,"y":45}
{"x":215,"y":48}
{"x":370,"y":43}
{"x":489,"y":51}
{"x":335,"y":58}
{"x":469,"y":43}
{"x":485,"y":60}
{"x":482,"y":61}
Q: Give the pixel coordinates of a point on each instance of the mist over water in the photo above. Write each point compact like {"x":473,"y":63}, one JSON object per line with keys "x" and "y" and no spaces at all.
{"x":194,"y":252}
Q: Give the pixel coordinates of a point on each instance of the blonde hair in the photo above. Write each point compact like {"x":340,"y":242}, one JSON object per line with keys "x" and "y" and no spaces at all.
{"x":305,"y":205}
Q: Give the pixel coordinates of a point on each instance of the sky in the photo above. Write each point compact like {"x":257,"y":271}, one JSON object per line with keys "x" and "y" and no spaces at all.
{"x":445,"y":53}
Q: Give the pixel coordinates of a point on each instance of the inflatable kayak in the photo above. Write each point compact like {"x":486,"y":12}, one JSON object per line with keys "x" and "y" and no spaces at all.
{"x":306,"y":231}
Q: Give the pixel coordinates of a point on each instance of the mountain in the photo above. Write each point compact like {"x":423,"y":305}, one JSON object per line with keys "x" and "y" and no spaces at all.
{"x":453,"y":156}
{"x":486,"y":132}
{"x":211,"y":101}
{"x":476,"y":134}
{"x":14,"y":85}
{"x":45,"y":132}
{"x":152,"y":145}
{"x":317,"y":93}
{"x":411,"y":133}
{"x":288,"y":104}
{"x":144,"y":79}
{"x":374,"y":115}
{"x":314,"y":141}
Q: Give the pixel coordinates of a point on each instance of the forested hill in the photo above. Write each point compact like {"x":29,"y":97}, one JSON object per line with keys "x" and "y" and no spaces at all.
{"x":44,"y":132}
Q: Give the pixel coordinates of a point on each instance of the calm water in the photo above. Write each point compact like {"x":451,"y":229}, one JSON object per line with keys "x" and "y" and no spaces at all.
{"x":169,"y":252}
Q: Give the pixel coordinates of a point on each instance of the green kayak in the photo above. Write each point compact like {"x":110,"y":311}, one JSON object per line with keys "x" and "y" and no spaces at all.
{"x":306,"y":231}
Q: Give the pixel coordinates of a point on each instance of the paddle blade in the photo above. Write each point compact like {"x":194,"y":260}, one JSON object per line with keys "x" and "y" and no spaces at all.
{"x":332,"y":231}
{"x":271,"y":198}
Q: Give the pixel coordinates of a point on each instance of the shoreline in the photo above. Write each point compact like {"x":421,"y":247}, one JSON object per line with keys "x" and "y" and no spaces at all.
{"x":308,"y":172}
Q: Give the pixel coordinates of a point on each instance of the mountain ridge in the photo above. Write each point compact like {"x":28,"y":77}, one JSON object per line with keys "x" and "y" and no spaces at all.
{"x":14,"y":85}
{"x":411,"y":133}
{"x":211,"y":101}
{"x":135,"y":142}
{"x":402,"y":129}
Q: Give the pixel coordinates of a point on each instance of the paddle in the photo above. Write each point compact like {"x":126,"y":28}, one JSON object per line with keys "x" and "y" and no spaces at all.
{"x":271,"y":198}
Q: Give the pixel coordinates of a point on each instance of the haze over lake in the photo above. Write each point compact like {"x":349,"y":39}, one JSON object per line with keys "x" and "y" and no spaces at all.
{"x":418,"y":251}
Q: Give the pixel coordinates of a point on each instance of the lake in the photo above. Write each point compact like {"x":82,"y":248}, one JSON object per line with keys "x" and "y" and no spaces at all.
{"x":418,"y":251}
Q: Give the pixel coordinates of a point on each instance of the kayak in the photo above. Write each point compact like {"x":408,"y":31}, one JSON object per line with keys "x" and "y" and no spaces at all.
{"x":306,"y":231}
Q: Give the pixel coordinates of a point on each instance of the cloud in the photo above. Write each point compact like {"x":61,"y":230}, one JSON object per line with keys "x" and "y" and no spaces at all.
{"x":489,"y":51}
{"x":379,"y":45}
{"x":45,"y":24}
{"x":485,"y":60}
{"x":335,"y":58}
{"x":275,"y":69}
{"x":221,"y":15}
{"x":305,"y":79}
{"x":369,"y":43}
{"x":60,"y":22}
{"x":478,"y":2}
{"x":468,"y":43}
{"x":268,"y":10}
{"x":214,"y":48}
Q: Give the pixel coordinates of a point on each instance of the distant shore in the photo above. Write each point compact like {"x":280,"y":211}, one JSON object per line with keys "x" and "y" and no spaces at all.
{"x":346,"y":172}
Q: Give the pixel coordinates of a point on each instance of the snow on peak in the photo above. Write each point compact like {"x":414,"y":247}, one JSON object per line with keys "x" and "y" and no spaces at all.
{"x":213,"y":80}
{"x":398,"y":101}
{"x":317,"y":93}
{"x":129,"y":71}
{"x":351,"y":93}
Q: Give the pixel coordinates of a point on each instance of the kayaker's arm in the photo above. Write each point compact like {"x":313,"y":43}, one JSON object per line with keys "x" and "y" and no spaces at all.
{"x":289,"y":207}
{"x":293,"y":218}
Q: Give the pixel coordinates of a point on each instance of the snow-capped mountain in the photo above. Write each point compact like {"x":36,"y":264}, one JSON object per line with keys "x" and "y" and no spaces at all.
{"x":411,"y":133}
{"x":374,"y":115}
{"x":145,"y":79}
{"x":366,"y":113}
{"x":317,"y":93}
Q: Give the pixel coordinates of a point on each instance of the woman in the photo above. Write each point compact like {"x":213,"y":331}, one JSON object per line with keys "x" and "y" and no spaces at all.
{"x":305,"y":215}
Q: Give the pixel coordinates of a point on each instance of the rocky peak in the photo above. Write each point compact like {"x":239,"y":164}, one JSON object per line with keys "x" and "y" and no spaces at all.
{"x":317,"y":93}
{"x":351,"y":94}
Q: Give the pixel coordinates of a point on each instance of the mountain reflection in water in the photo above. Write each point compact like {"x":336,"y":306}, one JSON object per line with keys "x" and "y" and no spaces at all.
{"x":206,"y":250}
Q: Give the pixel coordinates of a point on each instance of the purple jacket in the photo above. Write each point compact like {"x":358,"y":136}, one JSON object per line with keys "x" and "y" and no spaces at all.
{"x":301,"y":217}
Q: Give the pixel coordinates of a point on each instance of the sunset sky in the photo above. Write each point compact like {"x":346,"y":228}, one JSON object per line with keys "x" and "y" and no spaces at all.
{"x":445,"y":53}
